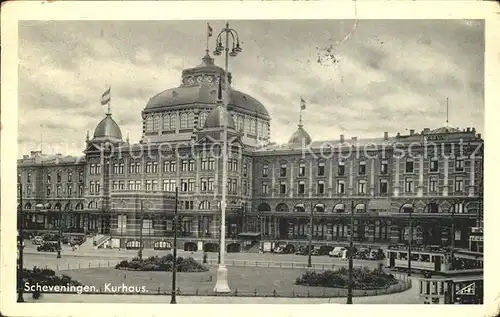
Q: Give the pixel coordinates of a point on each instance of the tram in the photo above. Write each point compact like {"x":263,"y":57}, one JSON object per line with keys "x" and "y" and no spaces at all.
{"x":424,"y":259}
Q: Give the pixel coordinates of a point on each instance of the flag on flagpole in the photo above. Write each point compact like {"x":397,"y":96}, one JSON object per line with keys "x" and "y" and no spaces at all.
{"x":106,"y":97}
{"x":209,"y":30}
{"x":302,"y":103}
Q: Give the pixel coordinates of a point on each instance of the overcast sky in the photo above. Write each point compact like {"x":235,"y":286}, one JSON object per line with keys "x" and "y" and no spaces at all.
{"x":387,"y":75}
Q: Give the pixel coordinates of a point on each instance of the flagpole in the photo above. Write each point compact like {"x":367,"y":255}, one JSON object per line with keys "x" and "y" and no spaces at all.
{"x":208,"y":35}
{"x":109,"y":102}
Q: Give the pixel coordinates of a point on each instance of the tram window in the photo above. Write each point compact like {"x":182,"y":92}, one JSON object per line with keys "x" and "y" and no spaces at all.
{"x":441,"y":288}
{"x":428,"y":287}
{"x":425,"y":258}
{"x":434,"y":288}
{"x":435,"y":300}
{"x":414,"y":257}
{"x":421,"y":286}
{"x":403,"y":256}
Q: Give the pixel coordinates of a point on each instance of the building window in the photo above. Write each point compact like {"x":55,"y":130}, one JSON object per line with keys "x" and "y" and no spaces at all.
{"x":169,"y":166}
{"x":173,"y":121}
{"x":245,"y":170}
{"x":264,"y":188}
{"x":203,"y":118}
{"x":433,"y":185}
{"x":384,"y":167}
{"x":204,"y":164}
{"x":80,"y":190}
{"x":92,"y":169}
{"x":283,"y":170}
{"x":205,"y":205}
{"x":210,"y":184}
{"x":184,"y":185}
{"x":156,"y":123}
{"x":121,"y":168}
{"x":137,"y":168}
{"x":155,"y":185}
{"x":184,"y":164}
{"x":409,"y":166}
{"x":321,"y":169}
{"x":92,"y":187}
{"x":28,"y":191}
{"x":459,"y":165}
{"x":184,"y":121}
{"x":148,"y":185}
{"x":149,"y":124}
{"x":384,"y":186}
{"x":434,"y":165}
{"x":459,"y":184}
{"x":302,"y":187}
{"x":58,"y":177}
{"x":121,"y":185}
{"x":265,"y":170}
{"x":282,"y":187}
{"x":409,"y":185}
{"x":80,"y":176}
{"x":115,"y":185}
{"x":98,"y":169}
{"x":321,"y":187}
{"x":362,"y":168}
{"x":115,"y":168}
{"x":191,"y":185}
{"x":155,"y":167}
{"x":204,"y":185}
{"x":58,"y":190}
{"x":131,"y":185}
{"x":211,"y":164}
{"x":340,"y":187}
{"x":458,"y":208}
{"x":166,"y":122}
{"x":148,"y":167}
{"x":97,"y":187}
{"x":70,"y":177}
{"x":361,"y":186}
{"x":341,"y":169}
{"x":244,"y":186}
{"x":49,"y":188}
{"x":137,"y":185}
{"x":302,"y":169}
{"x":191,"y":165}
{"x":131,"y":168}
{"x":28,"y":180}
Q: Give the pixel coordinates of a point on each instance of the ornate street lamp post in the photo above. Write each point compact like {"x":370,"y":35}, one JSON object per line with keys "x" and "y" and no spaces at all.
{"x":174,"y":260}
{"x":222,"y":285}
{"x":20,"y":265}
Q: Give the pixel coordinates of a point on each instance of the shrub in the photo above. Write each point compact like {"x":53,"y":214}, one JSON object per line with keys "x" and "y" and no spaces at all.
{"x":164,"y":263}
{"x":362,"y":278}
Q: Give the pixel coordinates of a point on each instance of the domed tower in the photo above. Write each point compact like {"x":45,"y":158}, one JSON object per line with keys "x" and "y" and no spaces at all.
{"x":300,"y":137}
{"x":176,"y":114}
{"x":107,"y":131}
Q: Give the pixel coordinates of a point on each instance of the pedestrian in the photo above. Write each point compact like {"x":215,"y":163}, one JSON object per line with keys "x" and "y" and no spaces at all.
{"x":205,"y":256}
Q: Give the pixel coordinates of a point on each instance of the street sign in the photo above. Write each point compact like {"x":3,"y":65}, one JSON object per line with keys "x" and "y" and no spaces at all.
{"x":467,"y":290}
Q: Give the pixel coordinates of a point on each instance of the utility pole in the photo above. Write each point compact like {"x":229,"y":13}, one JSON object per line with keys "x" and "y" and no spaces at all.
{"x":140,"y":231}
{"x":410,"y":240}
{"x":452,"y":254}
{"x":60,"y":234}
{"x":350,"y":251}
{"x":20,"y":265}
{"x":309,"y":259}
{"x":174,"y":261}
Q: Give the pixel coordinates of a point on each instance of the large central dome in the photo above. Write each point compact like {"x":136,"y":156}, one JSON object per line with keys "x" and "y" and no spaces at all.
{"x":177,"y":113}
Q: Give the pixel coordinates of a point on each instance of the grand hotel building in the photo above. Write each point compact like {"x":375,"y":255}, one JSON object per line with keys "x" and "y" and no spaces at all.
{"x":432,"y":178}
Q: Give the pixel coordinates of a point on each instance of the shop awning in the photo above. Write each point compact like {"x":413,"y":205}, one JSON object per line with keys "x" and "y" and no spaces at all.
{"x":379,"y":204}
{"x":249,"y":234}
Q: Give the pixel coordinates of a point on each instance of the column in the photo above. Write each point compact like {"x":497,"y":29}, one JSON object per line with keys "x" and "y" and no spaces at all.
{"x":472,"y":174}
{"x":330,"y":179}
{"x":276,"y":227}
{"x":269,"y":225}
{"x":445,"y":185}
{"x":291,"y":180}
{"x":273,"y":178}
{"x":396,"y":176}
{"x":310,"y":178}
{"x":372,"y":177}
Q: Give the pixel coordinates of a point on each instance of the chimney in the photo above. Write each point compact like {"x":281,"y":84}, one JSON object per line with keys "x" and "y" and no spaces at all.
{"x":386,"y":136}
{"x":427,"y":130}
{"x":398,"y":135}
{"x":342,"y":138}
{"x":25,"y":156}
{"x":473,"y":129}
{"x":412,"y":131}
{"x":479,"y":135}
{"x":468,"y":129}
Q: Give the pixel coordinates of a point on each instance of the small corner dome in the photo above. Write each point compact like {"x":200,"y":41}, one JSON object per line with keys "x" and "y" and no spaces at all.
{"x":108,"y":129}
{"x":214,"y":118}
{"x":300,"y":137}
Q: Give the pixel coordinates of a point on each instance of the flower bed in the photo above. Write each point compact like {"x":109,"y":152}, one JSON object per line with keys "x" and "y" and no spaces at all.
{"x":363,"y":279}
{"x":163,"y":263}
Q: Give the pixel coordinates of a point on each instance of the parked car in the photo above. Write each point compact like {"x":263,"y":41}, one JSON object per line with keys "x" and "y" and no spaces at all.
{"x":47,"y":247}
{"x":337,"y":252}
{"x":37,"y":240}
{"x":376,"y":254}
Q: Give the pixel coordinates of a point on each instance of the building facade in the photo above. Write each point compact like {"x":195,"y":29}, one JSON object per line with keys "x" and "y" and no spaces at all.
{"x":122,"y":190}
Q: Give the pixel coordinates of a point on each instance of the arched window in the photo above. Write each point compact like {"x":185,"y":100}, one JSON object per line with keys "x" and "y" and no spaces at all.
{"x":433,"y":208}
{"x":173,"y":121}
{"x":203,"y":118}
{"x":27,"y":206}
{"x":149,"y":124}
{"x":57,"y":206}
{"x":319,"y":207}
{"x":68,"y":206}
{"x":264,"y":207}
{"x":247,"y":125}
{"x":282,"y":207}
{"x":252,"y":127}
{"x":205,"y":205}
{"x":184,"y":120}
{"x":166,"y":122}
{"x":240,"y":123}
{"x":156,"y":123}
{"x":299,"y":208}
{"x":406,"y":208}
{"x":459,"y":208}
{"x":339,"y":208}
{"x":359,"y":208}
{"x":190,"y":123}
{"x":79,"y":206}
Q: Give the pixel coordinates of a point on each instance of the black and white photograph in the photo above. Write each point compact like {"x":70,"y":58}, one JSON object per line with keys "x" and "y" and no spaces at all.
{"x":240,"y":160}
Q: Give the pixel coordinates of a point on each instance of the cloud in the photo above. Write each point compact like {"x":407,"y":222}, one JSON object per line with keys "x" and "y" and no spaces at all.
{"x":389,"y":75}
